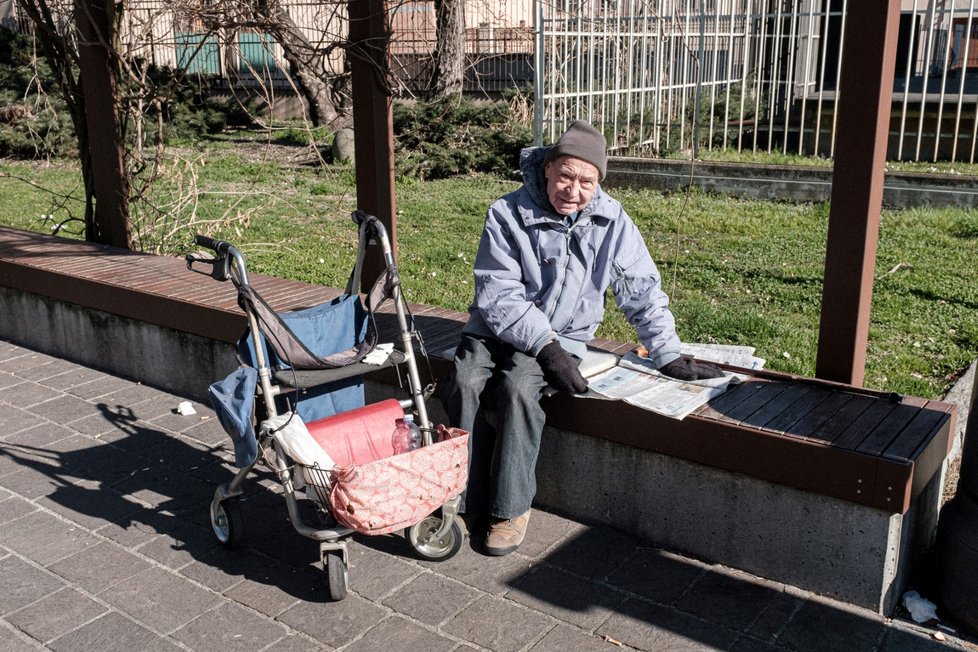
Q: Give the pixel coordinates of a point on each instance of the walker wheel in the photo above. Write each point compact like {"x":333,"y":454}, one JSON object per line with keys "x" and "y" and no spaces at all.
{"x":421,"y":536}
{"x":227,"y":522}
{"x":337,"y":575}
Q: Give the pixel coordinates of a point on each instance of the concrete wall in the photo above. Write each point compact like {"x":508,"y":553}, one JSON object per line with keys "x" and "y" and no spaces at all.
{"x":786,"y":183}
{"x":829,"y":546}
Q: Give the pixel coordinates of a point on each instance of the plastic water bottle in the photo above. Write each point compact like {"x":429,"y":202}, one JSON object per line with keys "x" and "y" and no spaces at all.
{"x":407,"y":435}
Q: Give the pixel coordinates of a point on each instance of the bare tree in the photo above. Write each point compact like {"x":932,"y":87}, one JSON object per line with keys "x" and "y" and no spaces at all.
{"x":79,"y":43}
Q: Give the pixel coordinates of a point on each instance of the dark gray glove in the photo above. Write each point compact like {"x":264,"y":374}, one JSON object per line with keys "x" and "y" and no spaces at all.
{"x":686,"y":368}
{"x":560,"y":369}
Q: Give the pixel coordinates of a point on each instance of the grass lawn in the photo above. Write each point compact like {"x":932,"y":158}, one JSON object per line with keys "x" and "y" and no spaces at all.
{"x":738,"y":271}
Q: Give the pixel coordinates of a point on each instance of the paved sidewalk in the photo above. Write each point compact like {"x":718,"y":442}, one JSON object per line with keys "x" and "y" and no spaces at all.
{"x":105,"y":544}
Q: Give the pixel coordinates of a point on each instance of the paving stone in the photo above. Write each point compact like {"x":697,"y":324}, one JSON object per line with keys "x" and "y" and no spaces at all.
{"x":131,"y":394}
{"x":592,"y":552}
{"x":495,"y":575}
{"x":229,"y":627}
{"x":15,"y":640}
{"x":220,"y":569}
{"x":21,"y":584}
{"x":544,"y":531}
{"x":64,"y":409}
{"x":284,"y":543}
{"x":90,"y":503}
{"x":181,"y":453}
{"x":99,"y":567}
{"x":727,"y":599}
{"x":397,"y":633}
{"x":112,"y":632}
{"x":660,"y":576}
{"x":432,"y":599}
{"x":178,"y":422}
{"x":178,"y":542}
{"x":498,"y":625}
{"x":27,"y":394}
{"x":208,"y":431}
{"x":273,"y":589}
{"x":40,"y":436}
{"x":898,"y":640}
{"x":564,"y":638}
{"x":101,"y":386}
{"x":25,"y":361}
{"x":296,"y":643}
{"x":567,"y":598}
{"x":100,"y":461}
{"x":14,"y":507}
{"x":7,"y":379}
{"x":57,"y":614}
{"x":43,"y":538}
{"x":375,"y":574}
{"x":646,"y":626}
{"x":74,"y":376}
{"x":748,"y":644}
{"x":14,"y":419}
{"x":95,"y":425}
{"x":333,"y":623}
{"x":51,"y":367}
{"x":160,"y":599}
{"x":830,"y":627}
{"x":777,"y":615}
{"x":33,"y":483}
{"x":164,"y":488}
{"x":131,"y":532}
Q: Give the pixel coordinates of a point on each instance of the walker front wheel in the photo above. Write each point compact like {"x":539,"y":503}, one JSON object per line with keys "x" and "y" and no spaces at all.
{"x":337,"y":575}
{"x":227,"y":522}
{"x":422,"y":538}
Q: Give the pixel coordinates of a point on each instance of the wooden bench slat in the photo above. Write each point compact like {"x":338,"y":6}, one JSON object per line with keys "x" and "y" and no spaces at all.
{"x":777,"y":406}
{"x":717,"y":408}
{"x":915,"y":434}
{"x":852,"y":436}
{"x":799,"y":410}
{"x":760,"y":398}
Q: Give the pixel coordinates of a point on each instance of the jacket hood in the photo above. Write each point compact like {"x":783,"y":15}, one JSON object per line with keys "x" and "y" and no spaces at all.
{"x":532,"y":163}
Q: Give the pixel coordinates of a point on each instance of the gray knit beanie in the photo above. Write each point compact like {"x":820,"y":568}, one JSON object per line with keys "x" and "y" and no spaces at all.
{"x":582,"y":141}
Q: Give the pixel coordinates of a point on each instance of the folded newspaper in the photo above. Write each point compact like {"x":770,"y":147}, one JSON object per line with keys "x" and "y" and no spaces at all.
{"x":636,"y":382}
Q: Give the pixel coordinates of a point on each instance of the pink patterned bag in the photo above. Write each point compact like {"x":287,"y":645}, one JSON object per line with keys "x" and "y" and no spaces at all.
{"x":395,"y":492}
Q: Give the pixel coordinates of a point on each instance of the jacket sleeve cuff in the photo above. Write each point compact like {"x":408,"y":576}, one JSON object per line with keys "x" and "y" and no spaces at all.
{"x":541,"y":342}
{"x":664,"y":358}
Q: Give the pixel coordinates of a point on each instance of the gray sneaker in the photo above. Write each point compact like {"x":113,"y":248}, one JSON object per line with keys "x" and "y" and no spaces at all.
{"x":505,"y":536}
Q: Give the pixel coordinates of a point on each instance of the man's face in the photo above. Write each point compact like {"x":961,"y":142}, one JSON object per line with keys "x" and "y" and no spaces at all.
{"x":570,"y":183}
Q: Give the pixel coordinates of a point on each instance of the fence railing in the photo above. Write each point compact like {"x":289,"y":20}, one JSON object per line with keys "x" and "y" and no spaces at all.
{"x":679,"y":75}
{"x":658,"y":76}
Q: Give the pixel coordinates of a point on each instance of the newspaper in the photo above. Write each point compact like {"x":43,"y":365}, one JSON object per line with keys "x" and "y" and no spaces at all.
{"x":729,"y":354}
{"x":637,"y":383}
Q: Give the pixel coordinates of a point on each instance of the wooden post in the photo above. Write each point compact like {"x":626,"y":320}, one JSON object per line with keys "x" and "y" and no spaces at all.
{"x":373,"y":123}
{"x":863,"y":105}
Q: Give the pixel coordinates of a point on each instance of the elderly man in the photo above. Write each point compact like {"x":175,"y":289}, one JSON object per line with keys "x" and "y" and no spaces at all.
{"x":548,"y":253}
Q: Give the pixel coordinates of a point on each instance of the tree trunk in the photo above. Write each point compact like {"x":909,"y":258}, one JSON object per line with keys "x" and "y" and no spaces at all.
{"x":324,"y":89}
{"x":449,"y":58}
{"x":96,"y":21}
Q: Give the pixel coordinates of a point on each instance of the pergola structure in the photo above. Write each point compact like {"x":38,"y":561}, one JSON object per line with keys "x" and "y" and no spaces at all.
{"x":865,"y":93}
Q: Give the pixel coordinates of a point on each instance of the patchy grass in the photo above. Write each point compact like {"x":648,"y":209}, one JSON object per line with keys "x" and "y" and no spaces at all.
{"x":738,"y":271}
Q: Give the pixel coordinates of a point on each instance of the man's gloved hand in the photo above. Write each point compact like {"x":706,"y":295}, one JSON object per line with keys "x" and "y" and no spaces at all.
{"x":560,"y":369}
{"x":686,"y":368}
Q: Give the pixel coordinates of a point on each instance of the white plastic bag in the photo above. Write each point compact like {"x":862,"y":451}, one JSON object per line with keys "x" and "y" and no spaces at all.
{"x":292,"y":435}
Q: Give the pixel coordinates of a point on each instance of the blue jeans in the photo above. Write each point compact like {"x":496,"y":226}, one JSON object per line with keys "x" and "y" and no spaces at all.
{"x":502,"y":459}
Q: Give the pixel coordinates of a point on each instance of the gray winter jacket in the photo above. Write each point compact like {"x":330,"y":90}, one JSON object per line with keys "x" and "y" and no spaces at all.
{"x":537,"y":278}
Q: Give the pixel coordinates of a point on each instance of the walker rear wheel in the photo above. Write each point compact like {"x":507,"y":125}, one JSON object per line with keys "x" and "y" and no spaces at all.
{"x":227,"y":522}
{"x":337,"y":575}
{"x":421,"y":536}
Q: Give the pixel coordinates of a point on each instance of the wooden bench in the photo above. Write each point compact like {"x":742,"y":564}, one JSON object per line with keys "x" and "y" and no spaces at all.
{"x":789,"y":450}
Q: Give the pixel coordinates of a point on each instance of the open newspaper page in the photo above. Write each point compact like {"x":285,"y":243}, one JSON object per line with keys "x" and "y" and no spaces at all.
{"x":636,"y":382}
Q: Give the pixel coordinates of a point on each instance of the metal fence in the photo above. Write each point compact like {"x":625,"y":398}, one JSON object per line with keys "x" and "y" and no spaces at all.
{"x":668,"y":75}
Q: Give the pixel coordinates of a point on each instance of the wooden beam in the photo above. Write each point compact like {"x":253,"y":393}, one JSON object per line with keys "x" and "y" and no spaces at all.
{"x":864,"y":101}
